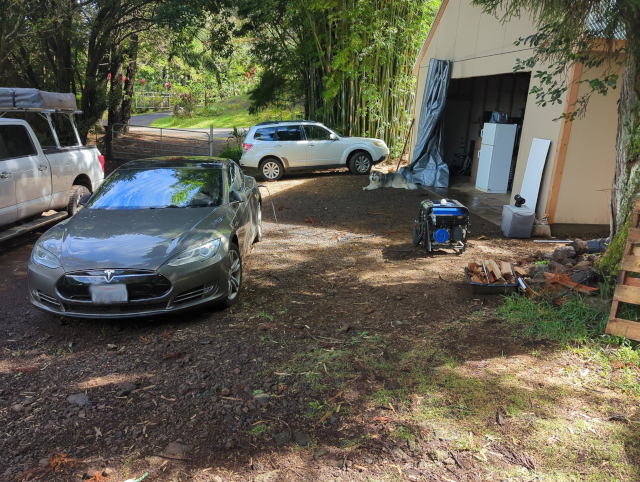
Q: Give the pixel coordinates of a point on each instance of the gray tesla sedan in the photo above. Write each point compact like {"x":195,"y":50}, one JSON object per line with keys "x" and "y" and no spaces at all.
{"x":159,"y":235}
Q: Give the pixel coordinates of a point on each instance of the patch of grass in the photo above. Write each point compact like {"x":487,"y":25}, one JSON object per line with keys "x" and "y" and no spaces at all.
{"x":230,"y":112}
{"x":260,"y":431}
{"x":575,"y":321}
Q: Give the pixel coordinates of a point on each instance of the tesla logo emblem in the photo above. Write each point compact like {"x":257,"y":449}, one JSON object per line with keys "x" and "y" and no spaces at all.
{"x":108,"y":274}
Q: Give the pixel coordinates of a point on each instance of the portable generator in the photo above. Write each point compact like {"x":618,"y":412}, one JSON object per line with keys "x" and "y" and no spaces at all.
{"x":442,"y":224}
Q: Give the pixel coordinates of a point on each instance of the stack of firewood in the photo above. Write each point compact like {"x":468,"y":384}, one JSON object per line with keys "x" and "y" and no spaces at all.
{"x":489,"y":271}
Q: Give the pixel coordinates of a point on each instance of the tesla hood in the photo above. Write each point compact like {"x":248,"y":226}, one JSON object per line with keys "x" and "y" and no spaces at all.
{"x":136,"y":238}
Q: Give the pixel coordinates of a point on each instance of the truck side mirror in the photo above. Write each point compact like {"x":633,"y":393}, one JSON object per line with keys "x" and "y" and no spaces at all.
{"x":84,"y":199}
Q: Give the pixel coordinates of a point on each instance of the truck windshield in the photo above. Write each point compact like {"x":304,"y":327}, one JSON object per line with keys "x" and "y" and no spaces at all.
{"x":159,"y":188}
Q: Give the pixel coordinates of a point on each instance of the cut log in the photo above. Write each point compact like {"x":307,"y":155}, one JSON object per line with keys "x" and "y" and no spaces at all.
{"x":495,"y":269}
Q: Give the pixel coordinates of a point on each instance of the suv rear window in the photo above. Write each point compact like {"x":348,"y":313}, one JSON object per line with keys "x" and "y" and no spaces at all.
{"x":289,"y":133}
{"x":265,"y":134}
{"x":15,"y":142}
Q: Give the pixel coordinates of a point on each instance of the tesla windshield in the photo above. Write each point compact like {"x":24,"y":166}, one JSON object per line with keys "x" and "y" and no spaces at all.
{"x":159,"y":188}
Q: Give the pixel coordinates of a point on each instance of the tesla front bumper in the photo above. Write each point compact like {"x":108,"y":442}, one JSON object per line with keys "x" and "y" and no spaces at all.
{"x":167,"y":290}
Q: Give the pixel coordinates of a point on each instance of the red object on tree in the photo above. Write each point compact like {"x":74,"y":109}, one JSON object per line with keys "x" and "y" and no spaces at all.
{"x":124,"y":78}
{"x":168,"y":85}
{"x":143,"y":81}
{"x":109,"y":77}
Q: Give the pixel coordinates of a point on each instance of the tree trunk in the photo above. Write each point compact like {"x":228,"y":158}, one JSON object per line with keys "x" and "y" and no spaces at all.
{"x":114,"y":115}
{"x":130,"y":80}
{"x":626,"y":179}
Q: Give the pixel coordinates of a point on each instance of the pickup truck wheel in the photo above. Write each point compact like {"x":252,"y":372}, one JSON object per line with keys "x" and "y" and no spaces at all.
{"x":271,"y":169}
{"x":360,"y":163}
{"x":77,"y":191}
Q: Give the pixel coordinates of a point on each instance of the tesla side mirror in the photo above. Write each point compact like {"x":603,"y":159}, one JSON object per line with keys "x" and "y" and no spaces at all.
{"x":235,"y":198}
{"x":333,"y":137}
{"x":84,"y":199}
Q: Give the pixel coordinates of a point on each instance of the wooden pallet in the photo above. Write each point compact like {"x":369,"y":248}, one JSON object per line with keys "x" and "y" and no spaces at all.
{"x":628,"y":288}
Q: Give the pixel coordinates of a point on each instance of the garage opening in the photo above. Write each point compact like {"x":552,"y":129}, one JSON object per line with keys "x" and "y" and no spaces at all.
{"x":471,"y":105}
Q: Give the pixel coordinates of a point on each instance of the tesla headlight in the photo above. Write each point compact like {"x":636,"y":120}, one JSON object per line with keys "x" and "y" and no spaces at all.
{"x":199,"y":253}
{"x":379,"y":143}
{"x":42,"y":257}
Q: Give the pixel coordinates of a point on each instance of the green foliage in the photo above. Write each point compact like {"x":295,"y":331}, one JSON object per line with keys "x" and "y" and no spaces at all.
{"x":351,"y":60}
{"x":234,"y":153}
{"x":575,"y":321}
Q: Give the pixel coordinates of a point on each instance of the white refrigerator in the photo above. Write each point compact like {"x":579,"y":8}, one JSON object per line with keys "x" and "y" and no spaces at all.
{"x":494,"y":158}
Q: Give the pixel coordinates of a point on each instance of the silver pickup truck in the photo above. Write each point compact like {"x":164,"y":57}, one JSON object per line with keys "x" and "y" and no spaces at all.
{"x":43,"y":164}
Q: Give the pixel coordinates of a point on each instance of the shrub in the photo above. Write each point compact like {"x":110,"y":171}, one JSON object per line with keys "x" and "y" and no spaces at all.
{"x":234,"y":153}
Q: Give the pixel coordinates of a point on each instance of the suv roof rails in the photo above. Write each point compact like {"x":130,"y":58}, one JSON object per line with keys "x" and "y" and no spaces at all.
{"x":284,"y":122}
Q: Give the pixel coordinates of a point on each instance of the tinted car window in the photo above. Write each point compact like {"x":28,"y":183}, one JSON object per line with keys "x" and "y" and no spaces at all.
{"x":15,"y":142}
{"x":289,"y":133}
{"x":159,"y":188}
{"x":265,"y":134}
{"x":316,"y":133}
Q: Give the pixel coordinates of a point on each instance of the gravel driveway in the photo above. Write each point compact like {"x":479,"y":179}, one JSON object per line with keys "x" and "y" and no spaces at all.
{"x":277,"y":387}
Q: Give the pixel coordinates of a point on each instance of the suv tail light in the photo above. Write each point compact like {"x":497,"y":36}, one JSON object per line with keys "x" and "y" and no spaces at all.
{"x":101,"y":161}
{"x":246,"y":146}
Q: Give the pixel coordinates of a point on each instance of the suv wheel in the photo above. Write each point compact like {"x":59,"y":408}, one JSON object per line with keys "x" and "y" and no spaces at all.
{"x":271,"y":169}
{"x":360,"y":163}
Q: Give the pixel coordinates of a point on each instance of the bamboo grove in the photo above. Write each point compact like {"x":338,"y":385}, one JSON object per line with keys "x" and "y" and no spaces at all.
{"x":351,"y":60}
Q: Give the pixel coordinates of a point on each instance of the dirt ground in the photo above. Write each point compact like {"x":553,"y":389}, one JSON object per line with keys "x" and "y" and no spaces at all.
{"x":344,"y":360}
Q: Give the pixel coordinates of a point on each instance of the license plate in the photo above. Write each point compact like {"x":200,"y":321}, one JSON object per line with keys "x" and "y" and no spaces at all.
{"x":108,"y":294}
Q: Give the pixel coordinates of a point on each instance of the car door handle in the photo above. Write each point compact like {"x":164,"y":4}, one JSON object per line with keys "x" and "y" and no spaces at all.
{"x":42,"y":167}
{"x":5,"y":175}
{"x":278,"y":145}
{"x":310,"y":145}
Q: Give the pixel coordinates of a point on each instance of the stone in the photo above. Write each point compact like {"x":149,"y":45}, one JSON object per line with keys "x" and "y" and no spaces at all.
{"x":301,"y":438}
{"x":582,"y":266}
{"x":538,"y":281}
{"x":368,"y":461}
{"x":17,"y":407}
{"x":111,"y":346}
{"x":439,"y":455}
{"x":262,"y":398}
{"x":563,"y":252}
{"x":79,"y":399}
{"x":225,"y":392}
{"x":579,"y":246}
{"x":320,"y":453}
{"x":568,"y":262}
{"x":449,"y":461}
{"x":553,"y":266}
{"x":584,"y":276}
{"x":178,"y":448}
{"x":281,"y":438}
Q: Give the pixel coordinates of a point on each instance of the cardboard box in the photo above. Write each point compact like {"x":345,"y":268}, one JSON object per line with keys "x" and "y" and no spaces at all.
{"x":474,"y":161}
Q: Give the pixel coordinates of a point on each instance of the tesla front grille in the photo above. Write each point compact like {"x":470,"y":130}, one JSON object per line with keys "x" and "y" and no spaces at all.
{"x":141,"y":284}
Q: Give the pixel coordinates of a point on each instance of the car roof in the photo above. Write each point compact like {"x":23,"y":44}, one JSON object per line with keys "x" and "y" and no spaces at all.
{"x":175,"y":162}
{"x":292,"y":121}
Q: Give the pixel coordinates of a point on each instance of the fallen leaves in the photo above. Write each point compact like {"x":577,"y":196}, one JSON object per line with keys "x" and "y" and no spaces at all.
{"x":57,"y":460}
{"x":172,"y":354}
{"x":98,"y":478}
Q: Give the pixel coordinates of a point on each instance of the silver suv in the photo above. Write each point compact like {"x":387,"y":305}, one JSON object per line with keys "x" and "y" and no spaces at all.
{"x":279,"y":146}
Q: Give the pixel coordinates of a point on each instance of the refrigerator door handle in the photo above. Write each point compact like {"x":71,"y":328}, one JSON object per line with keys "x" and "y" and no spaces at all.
{"x":481,"y":132}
